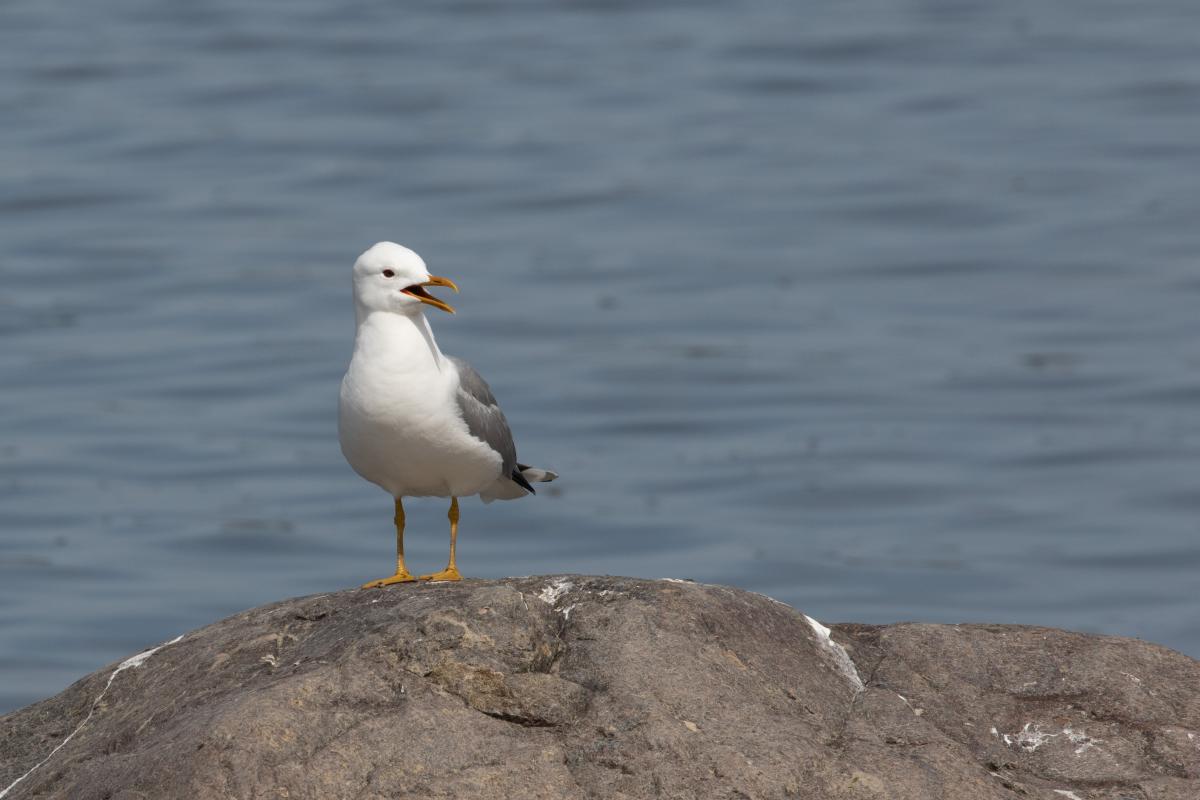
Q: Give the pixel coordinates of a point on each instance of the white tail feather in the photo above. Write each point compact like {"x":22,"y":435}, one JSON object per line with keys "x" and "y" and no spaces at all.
{"x":506,"y":489}
{"x":535,"y":475}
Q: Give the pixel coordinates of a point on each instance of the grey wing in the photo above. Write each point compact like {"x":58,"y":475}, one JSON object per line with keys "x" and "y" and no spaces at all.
{"x":484,"y":418}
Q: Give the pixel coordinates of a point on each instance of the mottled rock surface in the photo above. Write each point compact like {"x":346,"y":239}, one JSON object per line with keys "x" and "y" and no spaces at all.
{"x":593,"y":687}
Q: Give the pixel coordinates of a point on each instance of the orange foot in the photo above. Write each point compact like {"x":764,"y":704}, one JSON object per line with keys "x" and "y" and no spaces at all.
{"x":448,"y":574}
{"x":399,"y":577}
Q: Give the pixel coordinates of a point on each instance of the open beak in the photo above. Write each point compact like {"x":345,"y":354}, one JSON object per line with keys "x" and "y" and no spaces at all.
{"x":418,"y":291}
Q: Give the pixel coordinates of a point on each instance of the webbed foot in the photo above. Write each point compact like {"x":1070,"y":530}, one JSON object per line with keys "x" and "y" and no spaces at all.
{"x":399,"y":577}
{"x":448,"y":574}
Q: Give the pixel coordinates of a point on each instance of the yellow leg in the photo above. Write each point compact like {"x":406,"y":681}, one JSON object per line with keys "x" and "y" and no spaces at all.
{"x":402,"y":575}
{"x":450,"y":573}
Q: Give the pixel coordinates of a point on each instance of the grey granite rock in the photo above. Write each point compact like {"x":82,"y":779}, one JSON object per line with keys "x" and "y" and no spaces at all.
{"x":594,"y":687}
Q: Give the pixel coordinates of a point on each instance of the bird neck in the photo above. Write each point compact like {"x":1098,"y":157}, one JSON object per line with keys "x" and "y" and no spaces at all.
{"x":408,"y":341}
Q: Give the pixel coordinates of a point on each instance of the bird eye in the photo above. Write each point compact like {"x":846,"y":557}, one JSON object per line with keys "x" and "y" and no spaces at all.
{"x":387,"y":273}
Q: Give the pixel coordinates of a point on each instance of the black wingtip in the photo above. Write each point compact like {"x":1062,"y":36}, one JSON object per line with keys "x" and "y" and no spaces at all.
{"x":519,"y":480}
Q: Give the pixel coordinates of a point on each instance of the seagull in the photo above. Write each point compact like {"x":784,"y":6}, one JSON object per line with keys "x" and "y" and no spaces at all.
{"x":411,"y":420}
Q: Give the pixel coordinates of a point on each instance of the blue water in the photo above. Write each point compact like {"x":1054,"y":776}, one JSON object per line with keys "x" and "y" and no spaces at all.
{"x":890,"y":310}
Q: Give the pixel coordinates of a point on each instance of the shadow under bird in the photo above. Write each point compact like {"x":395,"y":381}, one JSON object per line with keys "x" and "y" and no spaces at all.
{"x":412,"y":420}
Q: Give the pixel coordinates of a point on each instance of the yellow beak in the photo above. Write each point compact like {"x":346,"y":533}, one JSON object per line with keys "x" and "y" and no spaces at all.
{"x":419,"y":292}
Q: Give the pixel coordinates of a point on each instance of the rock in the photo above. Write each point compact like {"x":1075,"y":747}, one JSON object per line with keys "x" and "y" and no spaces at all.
{"x":589,"y":687}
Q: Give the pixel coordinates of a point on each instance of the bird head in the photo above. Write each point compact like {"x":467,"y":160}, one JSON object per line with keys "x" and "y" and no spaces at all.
{"x":389,"y":277}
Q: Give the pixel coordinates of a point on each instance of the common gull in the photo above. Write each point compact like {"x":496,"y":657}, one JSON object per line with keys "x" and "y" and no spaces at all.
{"x":412,"y":420}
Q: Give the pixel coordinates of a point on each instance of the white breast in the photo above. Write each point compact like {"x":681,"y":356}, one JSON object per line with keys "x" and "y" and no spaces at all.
{"x":398,"y":419}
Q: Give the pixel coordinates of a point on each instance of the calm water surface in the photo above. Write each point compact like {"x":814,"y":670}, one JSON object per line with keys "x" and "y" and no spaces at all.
{"x":890,"y":310}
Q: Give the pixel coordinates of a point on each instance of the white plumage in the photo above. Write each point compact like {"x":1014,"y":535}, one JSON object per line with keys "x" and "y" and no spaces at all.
{"x":399,"y":422}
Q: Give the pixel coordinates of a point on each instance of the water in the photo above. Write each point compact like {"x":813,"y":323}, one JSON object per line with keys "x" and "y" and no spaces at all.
{"x":888,"y":310}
